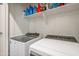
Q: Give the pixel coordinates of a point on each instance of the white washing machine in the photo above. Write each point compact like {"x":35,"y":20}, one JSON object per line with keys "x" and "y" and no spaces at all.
{"x":19,"y":45}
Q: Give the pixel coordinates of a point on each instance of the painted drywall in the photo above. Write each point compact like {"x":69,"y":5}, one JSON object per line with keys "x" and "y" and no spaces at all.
{"x":18,"y":24}
{"x":66,"y":24}
{"x":59,"y":24}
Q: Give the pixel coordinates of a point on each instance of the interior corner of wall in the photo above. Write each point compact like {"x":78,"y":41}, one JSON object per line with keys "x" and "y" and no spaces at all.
{"x":77,"y":37}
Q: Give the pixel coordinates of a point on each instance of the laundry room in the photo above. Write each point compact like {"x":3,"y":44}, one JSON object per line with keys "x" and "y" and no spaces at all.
{"x":59,"y":22}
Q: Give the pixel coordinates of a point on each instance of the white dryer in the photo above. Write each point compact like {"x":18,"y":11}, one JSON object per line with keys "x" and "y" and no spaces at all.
{"x":55,"y":45}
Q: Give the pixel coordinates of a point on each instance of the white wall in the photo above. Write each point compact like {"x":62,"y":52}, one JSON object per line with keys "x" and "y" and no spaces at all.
{"x":18,"y":25}
{"x":58,"y":24}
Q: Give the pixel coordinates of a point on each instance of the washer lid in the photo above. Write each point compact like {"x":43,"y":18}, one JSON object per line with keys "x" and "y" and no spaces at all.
{"x":22,"y":38}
